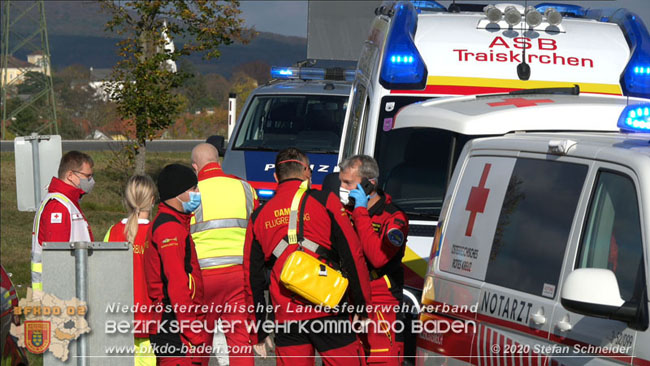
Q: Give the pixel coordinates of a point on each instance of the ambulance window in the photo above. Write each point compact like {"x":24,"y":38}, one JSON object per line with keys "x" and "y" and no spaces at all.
{"x":356,"y":115}
{"x":612,"y":238}
{"x":534,"y":225}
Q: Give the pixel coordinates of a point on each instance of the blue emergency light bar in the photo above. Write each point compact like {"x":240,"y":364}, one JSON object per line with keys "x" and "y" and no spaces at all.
{"x":402,"y":65}
{"x":576,"y":11}
{"x":265,"y":193}
{"x":635,"y":118}
{"x":635,"y":80}
{"x":305,"y":73}
{"x":427,"y":5}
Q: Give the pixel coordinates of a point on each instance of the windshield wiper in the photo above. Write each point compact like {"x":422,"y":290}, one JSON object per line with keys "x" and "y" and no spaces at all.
{"x":257,"y":148}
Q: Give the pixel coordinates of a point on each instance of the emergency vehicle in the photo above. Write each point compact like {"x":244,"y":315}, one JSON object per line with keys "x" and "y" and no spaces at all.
{"x":422,"y":50}
{"x":302,"y":107}
{"x":541,"y":252}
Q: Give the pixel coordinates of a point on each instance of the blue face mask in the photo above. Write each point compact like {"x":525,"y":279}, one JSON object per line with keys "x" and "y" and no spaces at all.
{"x":193,"y":203}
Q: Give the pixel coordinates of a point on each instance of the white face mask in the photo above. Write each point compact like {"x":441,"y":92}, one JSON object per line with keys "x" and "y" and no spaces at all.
{"x":344,"y":195}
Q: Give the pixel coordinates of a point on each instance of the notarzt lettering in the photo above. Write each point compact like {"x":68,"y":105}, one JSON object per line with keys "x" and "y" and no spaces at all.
{"x":505,"y":307}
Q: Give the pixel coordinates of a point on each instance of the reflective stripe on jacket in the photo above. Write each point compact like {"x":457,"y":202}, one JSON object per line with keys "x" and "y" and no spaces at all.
{"x":218,"y":226}
{"x":79,"y":231}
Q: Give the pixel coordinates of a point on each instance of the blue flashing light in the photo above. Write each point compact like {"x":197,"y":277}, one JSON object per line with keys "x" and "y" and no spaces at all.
{"x":303,"y":73}
{"x":635,"y":79}
{"x":265,"y":193}
{"x":635,"y":118}
{"x":575,"y":11}
{"x":284,"y":73}
{"x":427,"y":5}
{"x":402,"y":65}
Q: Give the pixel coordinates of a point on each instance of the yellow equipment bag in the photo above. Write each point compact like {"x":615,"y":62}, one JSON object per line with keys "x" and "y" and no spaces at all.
{"x":304,"y":274}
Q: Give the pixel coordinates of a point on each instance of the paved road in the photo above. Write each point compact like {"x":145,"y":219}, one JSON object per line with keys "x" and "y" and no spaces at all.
{"x":97,"y":145}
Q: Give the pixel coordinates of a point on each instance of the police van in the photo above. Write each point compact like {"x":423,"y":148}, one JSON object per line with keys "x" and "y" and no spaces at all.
{"x":541,"y":252}
{"x":302,"y":107}
{"x":421,"y":50}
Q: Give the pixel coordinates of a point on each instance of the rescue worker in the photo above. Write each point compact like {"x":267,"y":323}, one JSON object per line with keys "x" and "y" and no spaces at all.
{"x":382,"y":228}
{"x":59,"y":217}
{"x":218,"y":229}
{"x":173,"y":274}
{"x":325,"y":223}
{"x":139,"y":197}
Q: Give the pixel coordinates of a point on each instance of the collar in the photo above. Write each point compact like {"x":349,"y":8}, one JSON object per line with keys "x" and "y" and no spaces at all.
{"x":288,"y":185}
{"x":211,"y":170}
{"x":379,"y":206}
{"x":70,"y":191}
{"x":183,"y":217}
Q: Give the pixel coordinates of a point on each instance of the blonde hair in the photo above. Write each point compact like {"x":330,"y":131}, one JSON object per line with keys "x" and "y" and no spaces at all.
{"x":138,"y":196}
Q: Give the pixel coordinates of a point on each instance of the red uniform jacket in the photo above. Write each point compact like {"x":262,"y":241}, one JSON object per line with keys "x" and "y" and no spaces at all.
{"x":326,"y":223}
{"x":383,"y":230}
{"x":172,"y":270}
{"x":140,"y":298}
{"x":59,"y":231}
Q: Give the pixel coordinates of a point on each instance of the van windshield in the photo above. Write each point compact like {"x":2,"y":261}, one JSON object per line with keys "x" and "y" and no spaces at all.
{"x":415,"y":165}
{"x":312,"y":123}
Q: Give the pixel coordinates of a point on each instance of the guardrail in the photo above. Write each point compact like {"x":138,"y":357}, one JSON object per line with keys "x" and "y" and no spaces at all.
{"x":109,"y":145}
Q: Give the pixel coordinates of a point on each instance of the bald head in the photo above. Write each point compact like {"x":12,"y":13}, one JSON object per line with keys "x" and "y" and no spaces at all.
{"x":203,"y":154}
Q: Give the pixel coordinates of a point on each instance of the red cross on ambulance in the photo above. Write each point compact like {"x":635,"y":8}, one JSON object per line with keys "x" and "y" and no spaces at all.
{"x":477,"y":199}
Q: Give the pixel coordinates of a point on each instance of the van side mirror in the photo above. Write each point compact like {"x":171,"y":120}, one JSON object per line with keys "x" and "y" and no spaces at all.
{"x":218,"y":141}
{"x":594,"y":292}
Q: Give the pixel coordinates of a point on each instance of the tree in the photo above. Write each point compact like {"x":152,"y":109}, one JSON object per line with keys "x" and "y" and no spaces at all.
{"x":142,"y":84}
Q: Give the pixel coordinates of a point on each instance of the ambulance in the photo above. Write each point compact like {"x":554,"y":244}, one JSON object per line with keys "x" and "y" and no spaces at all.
{"x":421,"y":50}
{"x":542,"y":248}
{"x":301,"y":107}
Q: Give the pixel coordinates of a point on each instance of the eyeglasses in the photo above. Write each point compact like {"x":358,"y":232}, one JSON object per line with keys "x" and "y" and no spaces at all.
{"x":88,"y":176}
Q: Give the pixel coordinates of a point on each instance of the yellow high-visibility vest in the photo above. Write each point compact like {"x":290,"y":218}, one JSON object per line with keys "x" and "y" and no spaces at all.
{"x":218,"y":226}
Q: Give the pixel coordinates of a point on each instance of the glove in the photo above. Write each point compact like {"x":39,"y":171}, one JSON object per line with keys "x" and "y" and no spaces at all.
{"x":360,"y":197}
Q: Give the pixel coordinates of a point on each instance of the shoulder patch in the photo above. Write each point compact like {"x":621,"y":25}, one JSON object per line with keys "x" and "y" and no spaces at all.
{"x":165,"y":241}
{"x":395,"y":237}
{"x":56,"y":218}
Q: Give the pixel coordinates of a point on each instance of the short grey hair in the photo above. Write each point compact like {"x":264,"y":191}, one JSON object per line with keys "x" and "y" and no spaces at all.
{"x":368,"y":167}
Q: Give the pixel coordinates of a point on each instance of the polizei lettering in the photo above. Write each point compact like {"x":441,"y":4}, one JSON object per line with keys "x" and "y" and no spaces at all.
{"x":499,"y":50}
{"x":322,"y":168}
{"x":505,"y":307}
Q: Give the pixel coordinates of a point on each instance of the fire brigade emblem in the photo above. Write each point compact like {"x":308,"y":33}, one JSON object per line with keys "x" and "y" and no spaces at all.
{"x":38,"y":335}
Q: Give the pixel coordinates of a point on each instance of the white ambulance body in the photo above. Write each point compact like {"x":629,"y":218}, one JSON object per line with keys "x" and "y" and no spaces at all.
{"x":414,"y":54}
{"x":427,"y":139}
{"x":541,"y":253}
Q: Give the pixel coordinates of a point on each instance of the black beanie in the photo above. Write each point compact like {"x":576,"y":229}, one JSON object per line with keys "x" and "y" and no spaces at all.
{"x":174,"y":180}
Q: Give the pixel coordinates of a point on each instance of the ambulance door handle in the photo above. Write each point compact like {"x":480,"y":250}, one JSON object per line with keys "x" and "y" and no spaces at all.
{"x":539,"y":319}
{"x":564,"y":326}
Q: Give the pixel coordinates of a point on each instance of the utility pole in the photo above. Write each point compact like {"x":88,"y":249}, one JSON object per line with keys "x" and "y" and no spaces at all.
{"x":24,"y":34}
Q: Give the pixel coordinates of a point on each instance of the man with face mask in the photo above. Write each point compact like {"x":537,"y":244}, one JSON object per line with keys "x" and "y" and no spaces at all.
{"x":59,"y":217}
{"x":382,"y":228}
{"x":173,"y":273}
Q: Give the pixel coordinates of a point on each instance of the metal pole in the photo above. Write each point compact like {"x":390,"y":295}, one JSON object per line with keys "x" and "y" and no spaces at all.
{"x":81,"y":291}
{"x":232,"y":113}
{"x":36,"y":167}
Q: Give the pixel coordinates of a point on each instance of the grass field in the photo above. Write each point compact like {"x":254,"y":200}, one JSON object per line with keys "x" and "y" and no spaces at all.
{"x":102,"y":207}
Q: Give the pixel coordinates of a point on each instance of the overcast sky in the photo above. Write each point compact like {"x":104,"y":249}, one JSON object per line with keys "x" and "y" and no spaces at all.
{"x":290,"y":17}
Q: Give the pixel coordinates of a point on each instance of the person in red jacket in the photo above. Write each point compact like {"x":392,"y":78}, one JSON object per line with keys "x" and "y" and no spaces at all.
{"x":382,"y":228}
{"x":325,"y":223}
{"x":139,"y":197}
{"x":173,"y":274}
{"x":59,"y":217}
